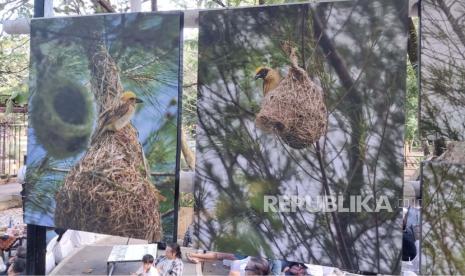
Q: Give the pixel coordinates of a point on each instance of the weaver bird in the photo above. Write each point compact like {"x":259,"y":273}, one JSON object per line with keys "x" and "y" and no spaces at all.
{"x":115,"y":119}
{"x":271,"y":78}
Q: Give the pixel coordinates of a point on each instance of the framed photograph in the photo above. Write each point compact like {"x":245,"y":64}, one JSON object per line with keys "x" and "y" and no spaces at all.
{"x":443,"y":219}
{"x":442,"y":70}
{"x":104,"y":124}
{"x":300,"y":133}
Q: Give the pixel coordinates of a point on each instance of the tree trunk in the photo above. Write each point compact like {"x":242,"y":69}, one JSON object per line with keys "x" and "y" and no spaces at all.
{"x":412,"y":44}
{"x":189,"y":156}
{"x":154,"y":5}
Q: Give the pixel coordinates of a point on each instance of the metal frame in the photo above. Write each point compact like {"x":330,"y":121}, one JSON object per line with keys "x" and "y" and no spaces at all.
{"x":36,"y":235}
{"x":36,"y":245}
{"x":191,"y":17}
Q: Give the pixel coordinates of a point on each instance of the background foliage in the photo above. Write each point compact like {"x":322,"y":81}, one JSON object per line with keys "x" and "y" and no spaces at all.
{"x":14,"y":54}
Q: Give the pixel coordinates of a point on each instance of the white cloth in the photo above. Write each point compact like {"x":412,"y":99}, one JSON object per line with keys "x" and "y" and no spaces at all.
{"x":152,"y":271}
{"x":2,"y":265}
{"x":315,"y":270}
{"x":240,"y":265}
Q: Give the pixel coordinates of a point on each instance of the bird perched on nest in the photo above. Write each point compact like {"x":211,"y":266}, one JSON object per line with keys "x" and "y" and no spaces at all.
{"x":115,"y":119}
{"x":271,"y":78}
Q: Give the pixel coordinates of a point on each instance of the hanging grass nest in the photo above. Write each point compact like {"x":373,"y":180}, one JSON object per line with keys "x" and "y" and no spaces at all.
{"x":295,"y":110}
{"x":62,"y":116}
{"x":109,"y":190}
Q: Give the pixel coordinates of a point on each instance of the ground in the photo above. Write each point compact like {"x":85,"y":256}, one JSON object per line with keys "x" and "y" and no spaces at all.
{"x":16,"y":214}
{"x":10,"y":204}
{"x":91,"y":259}
{"x":10,"y":196}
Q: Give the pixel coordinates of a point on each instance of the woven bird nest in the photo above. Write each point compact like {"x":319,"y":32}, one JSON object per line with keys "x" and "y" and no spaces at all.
{"x":62,"y":116}
{"x":295,"y":110}
{"x":109,"y":190}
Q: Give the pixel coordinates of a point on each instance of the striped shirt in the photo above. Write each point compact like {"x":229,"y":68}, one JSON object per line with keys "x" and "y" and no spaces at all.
{"x":167,"y":267}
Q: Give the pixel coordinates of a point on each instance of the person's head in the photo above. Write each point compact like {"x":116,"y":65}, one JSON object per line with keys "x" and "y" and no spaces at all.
{"x":21,"y":252}
{"x":173,"y":251}
{"x":147,"y":262}
{"x":257,"y":266}
{"x":18,"y":267}
{"x":297,"y":269}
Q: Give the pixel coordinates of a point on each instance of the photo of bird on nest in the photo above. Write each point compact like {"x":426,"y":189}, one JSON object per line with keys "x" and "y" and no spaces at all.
{"x":271,"y":78}
{"x":118,"y":117}
{"x":322,"y":115}
{"x":99,"y":137}
{"x":293,"y":107}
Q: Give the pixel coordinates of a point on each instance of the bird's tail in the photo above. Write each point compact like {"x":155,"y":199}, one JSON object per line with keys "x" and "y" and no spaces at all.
{"x":99,"y":131}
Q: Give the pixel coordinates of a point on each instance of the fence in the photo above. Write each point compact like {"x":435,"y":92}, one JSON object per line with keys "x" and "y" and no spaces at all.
{"x":13,"y":142}
{"x":412,"y":163}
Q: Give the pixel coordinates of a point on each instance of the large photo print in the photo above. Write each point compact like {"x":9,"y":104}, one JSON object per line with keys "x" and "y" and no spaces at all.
{"x":443,"y":219}
{"x":102,"y":145}
{"x":301,"y":109}
{"x":442,"y":70}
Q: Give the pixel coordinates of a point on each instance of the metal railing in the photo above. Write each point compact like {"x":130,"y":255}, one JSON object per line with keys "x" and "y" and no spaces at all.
{"x":13,"y":142}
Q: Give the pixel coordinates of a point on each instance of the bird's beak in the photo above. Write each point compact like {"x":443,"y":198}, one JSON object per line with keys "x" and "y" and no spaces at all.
{"x":258,"y":76}
{"x":139,"y":100}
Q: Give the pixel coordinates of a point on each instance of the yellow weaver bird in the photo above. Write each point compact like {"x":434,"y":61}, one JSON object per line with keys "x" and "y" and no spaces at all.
{"x":271,"y":78}
{"x":117,"y":118}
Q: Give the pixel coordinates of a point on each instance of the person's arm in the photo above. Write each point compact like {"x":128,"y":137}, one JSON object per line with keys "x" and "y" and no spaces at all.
{"x":154,"y":271}
{"x":234,"y":273}
{"x":138,"y":272}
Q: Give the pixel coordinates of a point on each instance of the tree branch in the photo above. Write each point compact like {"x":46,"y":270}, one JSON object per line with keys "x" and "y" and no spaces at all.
{"x":412,"y":43}
{"x":106,"y":6}
{"x":186,"y":151}
{"x":453,"y":21}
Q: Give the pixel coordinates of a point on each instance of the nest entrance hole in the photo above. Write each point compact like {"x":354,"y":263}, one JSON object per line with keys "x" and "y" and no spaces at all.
{"x":70,"y":105}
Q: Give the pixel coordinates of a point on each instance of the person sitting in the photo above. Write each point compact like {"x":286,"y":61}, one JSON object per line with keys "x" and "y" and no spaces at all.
{"x":20,"y":253}
{"x":171,"y":263}
{"x":18,"y":267}
{"x":147,"y":268}
{"x":409,"y":250}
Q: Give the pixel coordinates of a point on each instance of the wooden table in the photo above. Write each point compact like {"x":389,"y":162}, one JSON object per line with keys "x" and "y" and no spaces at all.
{"x":129,"y":253}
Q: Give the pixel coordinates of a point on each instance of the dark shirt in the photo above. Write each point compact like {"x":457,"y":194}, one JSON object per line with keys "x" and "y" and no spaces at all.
{"x":409,"y":250}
